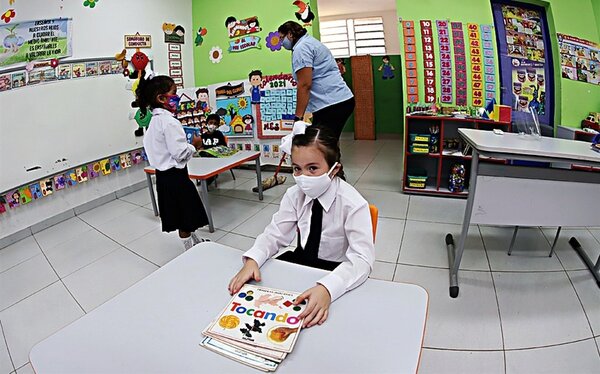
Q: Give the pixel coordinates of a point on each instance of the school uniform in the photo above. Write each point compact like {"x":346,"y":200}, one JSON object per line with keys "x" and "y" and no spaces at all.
{"x":168,"y":152}
{"x":341,"y":242}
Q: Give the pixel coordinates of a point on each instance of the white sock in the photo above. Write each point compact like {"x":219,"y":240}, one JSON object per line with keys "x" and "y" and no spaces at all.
{"x":198,"y":239}
{"x":187,"y":242}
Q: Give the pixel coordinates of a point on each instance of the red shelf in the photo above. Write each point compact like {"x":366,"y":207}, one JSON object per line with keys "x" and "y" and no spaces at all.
{"x":433,"y":155}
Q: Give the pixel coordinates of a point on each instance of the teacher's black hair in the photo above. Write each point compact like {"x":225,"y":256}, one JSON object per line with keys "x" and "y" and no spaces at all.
{"x":295,"y":28}
{"x":326,"y":142}
{"x":148,"y":91}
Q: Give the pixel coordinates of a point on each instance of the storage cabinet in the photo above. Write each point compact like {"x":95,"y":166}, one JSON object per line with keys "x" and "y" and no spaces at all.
{"x":438,"y":162}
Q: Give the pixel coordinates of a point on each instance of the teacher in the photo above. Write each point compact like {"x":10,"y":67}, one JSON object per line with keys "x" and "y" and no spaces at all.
{"x":321,"y":89}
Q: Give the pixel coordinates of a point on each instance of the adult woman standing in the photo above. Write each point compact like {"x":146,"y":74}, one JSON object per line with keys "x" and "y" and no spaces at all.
{"x":321,"y":89}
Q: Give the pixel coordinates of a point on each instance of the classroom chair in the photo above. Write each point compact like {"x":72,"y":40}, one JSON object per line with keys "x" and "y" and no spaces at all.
{"x":374,"y":217}
{"x":514,"y":237}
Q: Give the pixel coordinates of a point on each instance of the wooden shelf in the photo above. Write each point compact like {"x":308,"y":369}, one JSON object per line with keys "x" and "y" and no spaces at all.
{"x":433,"y":155}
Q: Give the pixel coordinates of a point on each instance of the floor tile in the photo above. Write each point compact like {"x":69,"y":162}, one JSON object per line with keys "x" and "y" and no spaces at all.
{"x":25,"y":279}
{"x":530,"y":252}
{"x":106,"y":212}
{"x":6,"y":365}
{"x":380,"y":178}
{"x":468,"y":322}
{"x":243,"y":243}
{"x":568,"y":257}
{"x":589,"y":294}
{"x":383,"y":270}
{"x":424,"y":244}
{"x":228,"y":213}
{"x":80,"y":251}
{"x":105,"y":278}
{"x":131,"y":226}
{"x":139,"y":197}
{"x":388,"y":239}
{"x":61,"y":232}
{"x":18,"y":252}
{"x":36,"y":318}
{"x":256,"y":224}
{"x":435,"y":361}
{"x":436,"y":209}
{"x":244,"y":191}
{"x":539,"y":309}
{"x":26,"y":369}
{"x":161,"y":247}
{"x":581,"y":357}
{"x":389,"y":204}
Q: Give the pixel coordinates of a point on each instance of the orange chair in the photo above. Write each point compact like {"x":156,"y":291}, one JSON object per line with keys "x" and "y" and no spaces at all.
{"x":374,"y":216}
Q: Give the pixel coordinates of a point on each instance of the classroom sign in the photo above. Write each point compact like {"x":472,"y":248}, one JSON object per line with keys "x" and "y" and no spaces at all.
{"x":277,"y":106}
{"x":35,"y":40}
{"x":579,"y":59}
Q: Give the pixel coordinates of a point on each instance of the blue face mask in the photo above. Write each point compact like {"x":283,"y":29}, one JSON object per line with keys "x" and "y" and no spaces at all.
{"x":173,"y":103}
{"x":287,"y":43}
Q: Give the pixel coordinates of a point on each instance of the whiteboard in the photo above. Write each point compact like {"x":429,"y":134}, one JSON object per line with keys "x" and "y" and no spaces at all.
{"x":78,"y":120}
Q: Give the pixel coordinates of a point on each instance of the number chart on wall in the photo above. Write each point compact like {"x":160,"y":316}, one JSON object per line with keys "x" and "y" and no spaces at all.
{"x":277,"y":106}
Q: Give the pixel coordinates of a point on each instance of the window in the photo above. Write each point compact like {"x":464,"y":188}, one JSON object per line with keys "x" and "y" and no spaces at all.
{"x":352,"y":37}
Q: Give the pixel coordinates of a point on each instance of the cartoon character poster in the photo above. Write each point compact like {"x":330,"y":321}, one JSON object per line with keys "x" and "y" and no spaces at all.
{"x":529,"y":86}
{"x":579,"y":59}
{"x":524,"y":37}
{"x":237,"y":28}
{"x":232,"y":111}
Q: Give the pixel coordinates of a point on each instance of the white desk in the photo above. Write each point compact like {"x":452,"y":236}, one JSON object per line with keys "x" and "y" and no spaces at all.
{"x":527,"y":196}
{"x":155,"y":326}
{"x":202,"y":168}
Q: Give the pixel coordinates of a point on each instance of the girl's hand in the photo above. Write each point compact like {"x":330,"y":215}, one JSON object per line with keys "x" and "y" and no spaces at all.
{"x":317,"y":310}
{"x":249,"y":271}
{"x":197,"y":141}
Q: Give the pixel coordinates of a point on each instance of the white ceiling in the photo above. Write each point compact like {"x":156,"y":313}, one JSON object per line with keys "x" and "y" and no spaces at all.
{"x":328,"y":8}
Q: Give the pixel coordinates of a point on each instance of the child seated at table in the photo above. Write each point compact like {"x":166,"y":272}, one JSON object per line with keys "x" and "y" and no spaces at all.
{"x":213,"y":137}
{"x":332,"y":219}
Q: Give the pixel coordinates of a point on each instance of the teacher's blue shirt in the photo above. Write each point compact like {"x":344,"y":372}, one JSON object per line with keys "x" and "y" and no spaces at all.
{"x":328,"y":86}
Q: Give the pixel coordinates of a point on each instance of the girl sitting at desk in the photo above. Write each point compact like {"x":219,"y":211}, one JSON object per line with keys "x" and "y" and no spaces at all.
{"x":332,"y":219}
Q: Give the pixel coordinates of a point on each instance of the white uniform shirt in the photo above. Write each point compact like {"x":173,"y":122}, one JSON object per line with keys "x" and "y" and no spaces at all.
{"x":165,"y":142}
{"x":346,"y":235}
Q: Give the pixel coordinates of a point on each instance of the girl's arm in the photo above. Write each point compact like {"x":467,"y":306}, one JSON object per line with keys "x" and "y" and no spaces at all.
{"x":176,"y":141}
{"x":304,"y":76}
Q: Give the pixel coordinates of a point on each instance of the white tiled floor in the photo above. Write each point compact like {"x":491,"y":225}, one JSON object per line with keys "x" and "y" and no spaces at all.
{"x":525,"y":313}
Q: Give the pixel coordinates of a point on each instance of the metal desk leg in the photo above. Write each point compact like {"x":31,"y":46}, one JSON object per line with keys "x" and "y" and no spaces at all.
{"x":259,"y":179}
{"x":454,"y":256}
{"x":595,"y":269}
{"x":204,"y":197}
{"x":555,"y":241}
{"x":151,"y":189}
{"x":512,"y":241}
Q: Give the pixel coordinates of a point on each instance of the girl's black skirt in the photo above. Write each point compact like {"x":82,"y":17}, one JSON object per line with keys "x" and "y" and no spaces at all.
{"x":179,"y":204}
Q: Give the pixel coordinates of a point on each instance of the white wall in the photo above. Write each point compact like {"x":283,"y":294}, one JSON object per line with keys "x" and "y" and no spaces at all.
{"x":390,"y":26}
{"x":97,"y":32}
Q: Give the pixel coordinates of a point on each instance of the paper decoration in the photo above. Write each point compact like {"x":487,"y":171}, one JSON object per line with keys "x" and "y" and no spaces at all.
{"x":524,"y":36}
{"x":428,"y":61}
{"x":229,"y":90}
{"x":304,"y":13}
{"x":115,"y":163}
{"x":94,"y":170}
{"x":173,"y":34}
{"x":277,"y":106}
{"x":477,"y":84}
{"x":14,"y":199}
{"x":138,"y":41}
{"x":5,"y":82}
{"x":36,"y":191}
{"x":410,"y":57}
{"x":47,"y":186}
{"x":529,"y":86}
{"x":386,"y":67}
{"x":105,"y":165}
{"x":244,"y":44}
{"x":200,"y":36}
{"x":79,"y":70}
{"x":71,"y":178}
{"x":266,"y":150}
{"x":25,"y":194}
{"x":136,"y":157}
{"x":273,"y":41}
{"x":59,"y":182}
{"x":487,"y":44}
{"x":460,"y":63}
{"x":8,"y":15}
{"x":215,"y":54}
{"x":90,"y":3}
{"x":82,"y":174}
{"x":445,"y":62}
{"x":242,"y":27}
{"x":36,"y":40}
{"x":123,"y":161}
{"x":255,"y":79}
{"x":235,"y":109}
{"x":2,"y":207}
{"x":579,"y":59}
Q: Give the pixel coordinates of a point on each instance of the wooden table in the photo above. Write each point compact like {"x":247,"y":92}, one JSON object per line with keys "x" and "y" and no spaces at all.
{"x":155,"y":326}
{"x":203,"y":168}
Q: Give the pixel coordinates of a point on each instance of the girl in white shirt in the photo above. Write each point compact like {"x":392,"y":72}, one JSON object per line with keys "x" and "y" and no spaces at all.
{"x":168,"y":152}
{"x":333,"y":223}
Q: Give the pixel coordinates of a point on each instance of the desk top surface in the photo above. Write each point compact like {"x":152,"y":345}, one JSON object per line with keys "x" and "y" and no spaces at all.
{"x":205,"y":167}
{"x":524,"y":145}
{"x":155,"y":325}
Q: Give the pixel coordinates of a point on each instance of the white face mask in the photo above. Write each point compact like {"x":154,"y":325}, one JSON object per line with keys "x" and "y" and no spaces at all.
{"x":211,"y":128}
{"x":314,"y":187}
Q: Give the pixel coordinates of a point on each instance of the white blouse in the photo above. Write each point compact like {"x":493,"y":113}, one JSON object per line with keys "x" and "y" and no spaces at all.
{"x":165,"y":142}
{"x":346,"y":235}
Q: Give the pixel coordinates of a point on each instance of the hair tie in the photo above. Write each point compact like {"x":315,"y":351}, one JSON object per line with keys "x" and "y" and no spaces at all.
{"x":286,"y":141}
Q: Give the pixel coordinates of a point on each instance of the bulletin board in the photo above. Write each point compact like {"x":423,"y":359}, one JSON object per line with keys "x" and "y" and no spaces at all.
{"x":277,"y":106}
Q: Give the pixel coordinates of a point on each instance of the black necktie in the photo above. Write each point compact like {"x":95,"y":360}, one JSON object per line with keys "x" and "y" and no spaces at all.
{"x":314,"y":237}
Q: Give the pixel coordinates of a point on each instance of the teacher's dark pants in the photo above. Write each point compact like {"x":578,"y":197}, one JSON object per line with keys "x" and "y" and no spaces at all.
{"x":334,"y":116}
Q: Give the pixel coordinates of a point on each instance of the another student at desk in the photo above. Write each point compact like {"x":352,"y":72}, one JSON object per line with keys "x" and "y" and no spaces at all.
{"x":213,"y":137}
{"x":332,"y":220}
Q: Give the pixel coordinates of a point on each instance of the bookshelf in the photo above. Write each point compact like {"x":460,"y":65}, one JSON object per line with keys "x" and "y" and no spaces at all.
{"x":437,"y":164}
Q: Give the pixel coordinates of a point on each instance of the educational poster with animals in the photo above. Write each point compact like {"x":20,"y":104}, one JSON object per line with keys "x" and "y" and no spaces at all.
{"x":260,"y":316}
{"x":35,"y":40}
{"x":277,"y":106}
{"x":579,"y":59}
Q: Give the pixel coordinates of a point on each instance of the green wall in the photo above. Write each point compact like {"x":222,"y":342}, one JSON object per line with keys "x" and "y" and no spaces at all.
{"x":596,"y":5}
{"x":573,"y":100}
{"x":212,"y":14}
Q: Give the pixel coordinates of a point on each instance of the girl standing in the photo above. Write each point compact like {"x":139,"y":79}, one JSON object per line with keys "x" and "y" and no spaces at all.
{"x":333,"y":221}
{"x":168,"y":152}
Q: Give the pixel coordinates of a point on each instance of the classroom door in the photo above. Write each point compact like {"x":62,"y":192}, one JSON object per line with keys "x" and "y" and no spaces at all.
{"x":526,"y":78}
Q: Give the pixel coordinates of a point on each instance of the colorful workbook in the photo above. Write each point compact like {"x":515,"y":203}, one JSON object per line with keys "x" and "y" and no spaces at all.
{"x":260,"y":316}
